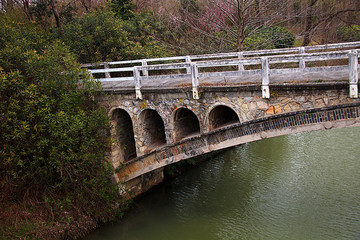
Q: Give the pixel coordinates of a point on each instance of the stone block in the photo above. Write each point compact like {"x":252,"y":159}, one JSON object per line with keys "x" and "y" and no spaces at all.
{"x":319,"y":103}
{"x":287,"y":108}
{"x":286,"y":100}
{"x":295,"y":106}
{"x":262,"y":105}
{"x":252,"y":106}
{"x":277,"y":109}
{"x":270,"y":111}
{"x":307,"y":105}
{"x":244,"y":107}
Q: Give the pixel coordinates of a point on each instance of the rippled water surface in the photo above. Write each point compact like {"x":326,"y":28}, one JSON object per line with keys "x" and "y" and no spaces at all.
{"x":302,"y":186}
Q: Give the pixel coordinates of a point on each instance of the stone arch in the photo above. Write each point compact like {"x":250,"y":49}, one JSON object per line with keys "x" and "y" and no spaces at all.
{"x":221,"y":116}
{"x":153,"y":130}
{"x":124,"y":134}
{"x":185,"y":123}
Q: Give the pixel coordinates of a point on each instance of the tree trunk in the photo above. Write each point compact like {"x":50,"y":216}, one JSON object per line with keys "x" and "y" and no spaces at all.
{"x":240,"y":42}
{"x":27,"y":10}
{"x":57,"y":16}
{"x":85,"y":5}
{"x":240,"y":27}
{"x":309,"y":23}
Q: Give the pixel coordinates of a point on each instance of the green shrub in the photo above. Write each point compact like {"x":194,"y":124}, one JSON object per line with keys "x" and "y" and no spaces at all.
{"x":349,"y":33}
{"x":100,"y":36}
{"x":124,"y":9}
{"x":54,"y":137}
{"x":268,"y":37}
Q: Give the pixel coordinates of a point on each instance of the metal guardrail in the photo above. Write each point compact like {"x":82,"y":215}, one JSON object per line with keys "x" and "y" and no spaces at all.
{"x":239,"y":60}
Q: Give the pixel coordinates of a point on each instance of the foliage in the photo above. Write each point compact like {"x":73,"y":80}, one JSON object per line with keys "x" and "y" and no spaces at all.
{"x":99,"y":36}
{"x":144,"y":31}
{"x":17,"y":38}
{"x":41,"y":10}
{"x":270,"y":37}
{"x":349,"y":33}
{"x":53,"y":134}
{"x":124,"y":9}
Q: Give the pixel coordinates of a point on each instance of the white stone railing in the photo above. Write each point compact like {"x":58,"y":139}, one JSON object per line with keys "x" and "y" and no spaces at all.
{"x":241,"y":63}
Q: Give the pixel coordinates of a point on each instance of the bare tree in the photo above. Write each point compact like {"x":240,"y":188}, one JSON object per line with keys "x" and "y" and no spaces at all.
{"x":324,"y":14}
{"x":235,"y":19}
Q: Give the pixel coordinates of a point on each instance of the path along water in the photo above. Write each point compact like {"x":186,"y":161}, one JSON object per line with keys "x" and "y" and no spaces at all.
{"x":302,"y":186}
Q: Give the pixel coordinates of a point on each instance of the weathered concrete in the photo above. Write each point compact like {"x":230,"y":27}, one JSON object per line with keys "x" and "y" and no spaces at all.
{"x":221,"y":118}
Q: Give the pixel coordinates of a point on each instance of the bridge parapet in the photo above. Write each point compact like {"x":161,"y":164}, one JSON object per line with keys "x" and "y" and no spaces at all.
{"x":267,"y":65}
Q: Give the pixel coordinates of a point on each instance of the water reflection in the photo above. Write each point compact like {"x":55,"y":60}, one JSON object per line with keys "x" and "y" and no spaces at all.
{"x":302,"y":186}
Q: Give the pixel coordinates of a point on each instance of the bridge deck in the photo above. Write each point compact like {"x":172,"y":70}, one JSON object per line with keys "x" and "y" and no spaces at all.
{"x":241,"y":80}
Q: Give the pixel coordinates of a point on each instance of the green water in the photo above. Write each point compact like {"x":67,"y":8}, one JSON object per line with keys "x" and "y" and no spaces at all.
{"x":302,"y":186}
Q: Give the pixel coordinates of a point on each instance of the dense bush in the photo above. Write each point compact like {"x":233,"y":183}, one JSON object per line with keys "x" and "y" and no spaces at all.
{"x":270,"y":37}
{"x":124,"y":9}
{"x":53,"y":134}
{"x":100,"y":36}
{"x":349,"y":33}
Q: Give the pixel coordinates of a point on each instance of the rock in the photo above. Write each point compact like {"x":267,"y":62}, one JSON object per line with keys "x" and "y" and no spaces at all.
{"x":244,"y":107}
{"x":287,"y":108}
{"x":319,"y":103}
{"x":262,"y":105}
{"x":270,"y":111}
{"x":295,"y":106}
{"x":252,"y":106}
{"x":277,"y":109}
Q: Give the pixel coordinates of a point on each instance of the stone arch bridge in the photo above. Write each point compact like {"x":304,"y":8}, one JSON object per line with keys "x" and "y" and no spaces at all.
{"x":167,"y":112}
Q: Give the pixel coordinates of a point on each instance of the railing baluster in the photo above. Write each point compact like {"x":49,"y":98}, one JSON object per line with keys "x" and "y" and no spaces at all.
{"x":353,"y":74}
{"x":188,"y":60}
{"x":265,"y":71}
{"x":137,"y":83}
{"x":302,"y":61}
{"x":241,"y":65}
{"x":195,"y":80}
{"x":106,"y":66}
{"x":144,"y":71}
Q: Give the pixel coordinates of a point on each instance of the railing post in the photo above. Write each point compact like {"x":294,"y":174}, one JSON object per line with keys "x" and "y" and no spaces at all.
{"x":144,"y":71}
{"x":188,"y":60}
{"x":195,"y":80}
{"x":302,"y":61}
{"x":241,"y":65}
{"x":137,"y":83}
{"x":106,"y":66}
{"x":265,"y":72}
{"x":353,"y":74}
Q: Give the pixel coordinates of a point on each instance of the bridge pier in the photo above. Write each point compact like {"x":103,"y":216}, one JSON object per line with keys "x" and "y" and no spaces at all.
{"x":143,"y":183}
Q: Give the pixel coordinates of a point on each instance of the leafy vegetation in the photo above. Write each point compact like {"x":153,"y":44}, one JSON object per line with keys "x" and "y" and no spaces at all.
{"x":349,"y":33}
{"x":100,"y":36}
{"x":270,"y":37}
{"x":54,"y":137}
{"x":124,"y":9}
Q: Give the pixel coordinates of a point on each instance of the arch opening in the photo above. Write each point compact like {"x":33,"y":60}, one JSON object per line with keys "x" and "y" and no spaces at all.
{"x":222,"y":116}
{"x":186,"y":124}
{"x":125,"y":134}
{"x":153,"y":129}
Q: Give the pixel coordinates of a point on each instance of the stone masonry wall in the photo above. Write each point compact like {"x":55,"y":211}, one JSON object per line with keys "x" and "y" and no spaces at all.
{"x":249,"y":105}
